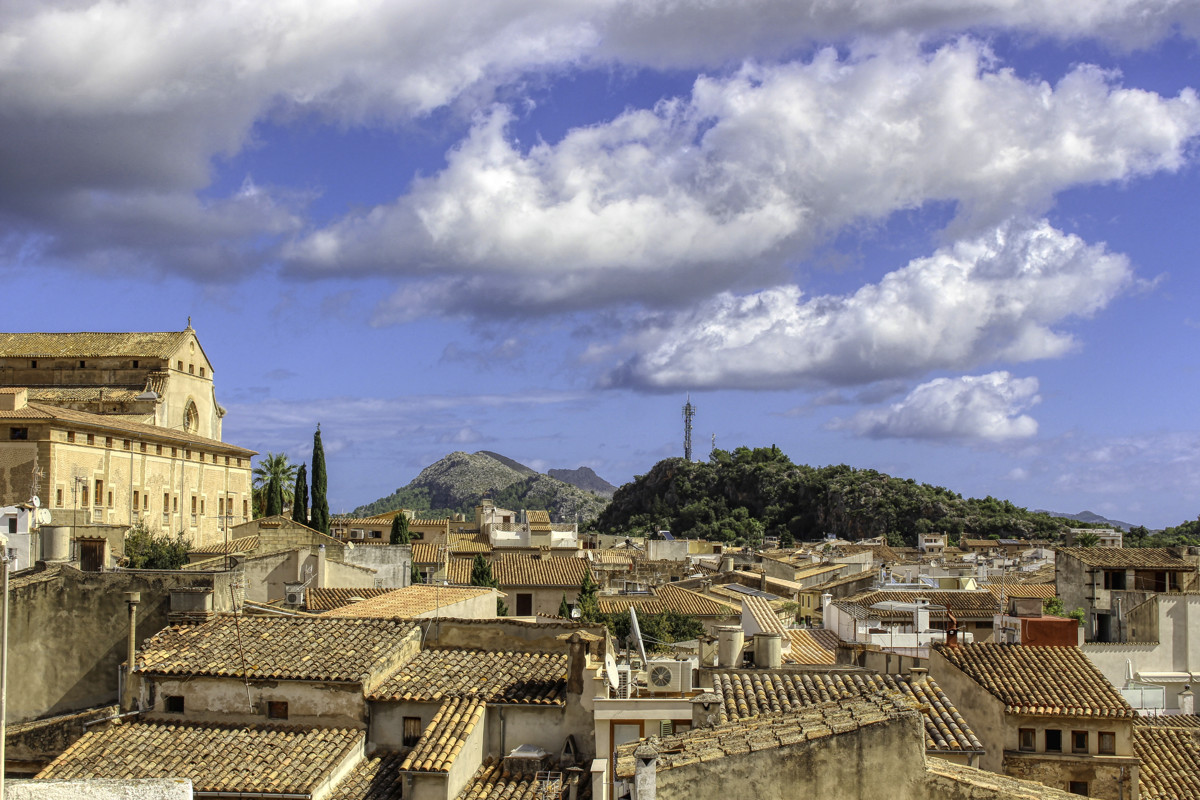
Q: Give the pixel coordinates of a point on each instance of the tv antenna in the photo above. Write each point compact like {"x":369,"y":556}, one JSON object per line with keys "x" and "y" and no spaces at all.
{"x":689,"y":412}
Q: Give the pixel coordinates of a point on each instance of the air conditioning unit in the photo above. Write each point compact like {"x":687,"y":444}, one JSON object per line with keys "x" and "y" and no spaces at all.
{"x":669,"y":676}
{"x":358,"y":534}
{"x":624,"y":681}
{"x":294,"y":595}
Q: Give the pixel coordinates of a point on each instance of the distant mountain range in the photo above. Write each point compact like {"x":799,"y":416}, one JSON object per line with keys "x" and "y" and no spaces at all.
{"x":456,"y":484}
{"x":1088,"y":516}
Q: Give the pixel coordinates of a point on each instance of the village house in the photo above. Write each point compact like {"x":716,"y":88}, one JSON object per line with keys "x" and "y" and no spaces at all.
{"x":534,"y":586}
{"x":418,"y":602}
{"x":1107,"y":582}
{"x":1044,"y":714}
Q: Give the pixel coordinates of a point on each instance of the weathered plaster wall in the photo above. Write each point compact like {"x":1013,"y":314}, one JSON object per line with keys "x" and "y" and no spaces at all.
{"x":546,"y":727}
{"x":1114,"y":779}
{"x":983,"y":712}
{"x":96,"y":789}
{"x":68,"y":629}
{"x":224,"y":700}
{"x":503,"y":634}
{"x":392,"y":563}
{"x":387,"y":721}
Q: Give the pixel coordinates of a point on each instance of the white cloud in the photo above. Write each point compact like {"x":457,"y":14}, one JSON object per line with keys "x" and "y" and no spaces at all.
{"x":724,"y":188}
{"x":995,"y":297}
{"x":969,"y":408}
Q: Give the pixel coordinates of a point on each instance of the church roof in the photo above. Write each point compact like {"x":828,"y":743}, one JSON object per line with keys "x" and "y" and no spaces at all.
{"x":91,"y":344}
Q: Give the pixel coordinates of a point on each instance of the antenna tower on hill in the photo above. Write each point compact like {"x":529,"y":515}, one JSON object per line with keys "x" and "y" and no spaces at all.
{"x":689,"y":411}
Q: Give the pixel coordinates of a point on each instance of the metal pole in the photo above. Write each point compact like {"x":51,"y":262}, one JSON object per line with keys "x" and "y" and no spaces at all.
{"x":3,"y":658}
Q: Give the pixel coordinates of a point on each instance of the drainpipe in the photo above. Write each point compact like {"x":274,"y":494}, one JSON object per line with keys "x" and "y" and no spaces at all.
{"x":127,"y":699}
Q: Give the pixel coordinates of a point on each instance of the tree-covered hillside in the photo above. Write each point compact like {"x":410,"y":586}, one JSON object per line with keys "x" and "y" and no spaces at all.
{"x":741,"y":496}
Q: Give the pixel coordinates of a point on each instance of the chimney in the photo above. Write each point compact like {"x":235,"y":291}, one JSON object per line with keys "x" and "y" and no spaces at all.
{"x":952,"y":637}
{"x":574,"y":778}
{"x":726,"y":563}
{"x":576,"y":658}
{"x":1187,"y":702}
{"x":320,"y":567}
{"x":127,"y":699}
{"x":706,"y":710}
{"x":768,"y":650}
{"x":826,"y":602}
{"x":921,"y":615}
{"x":730,"y":640}
{"x":14,"y":399}
{"x":645,"y":776}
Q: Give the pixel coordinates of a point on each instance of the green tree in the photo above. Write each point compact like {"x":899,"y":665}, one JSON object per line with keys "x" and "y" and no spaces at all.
{"x":274,"y":494}
{"x":564,"y":608}
{"x":273,"y":465}
{"x":147,"y":549}
{"x":320,"y":504}
{"x":589,"y":606}
{"x":786,"y":539}
{"x":300,"y":496}
{"x":1054,"y":607}
{"x":415,"y":575}
{"x":399,"y":533}
{"x":481,"y":575}
{"x":1087,"y":539}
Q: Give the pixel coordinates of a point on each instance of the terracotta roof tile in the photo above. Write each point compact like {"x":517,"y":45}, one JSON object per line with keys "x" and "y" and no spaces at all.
{"x":612,"y":556}
{"x":693,"y":604}
{"x":372,"y":779}
{"x":1043,"y":591}
{"x":1058,"y":681}
{"x":495,"y":780}
{"x":617,"y":604}
{"x":1170,"y":763}
{"x":469,"y":543}
{"x":968,"y":604}
{"x":493,"y":676}
{"x":539,"y":521}
{"x":445,"y":736}
{"x":768,"y":732}
{"x":428,"y":553}
{"x":514,"y":570}
{"x":327,"y":599}
{"x":1169,"y":721}
{"x":744,"y":695}
{"x":243,"y":544}
{"x":411,"y":601}
{"x":765,"y":617}
{"x":161,"y":344}
{"x":812,"y":646}
{"x":278,"y":648}
{"x":1127,"y":557}
{"x":217,"y":758}
{"x":77,"y":394}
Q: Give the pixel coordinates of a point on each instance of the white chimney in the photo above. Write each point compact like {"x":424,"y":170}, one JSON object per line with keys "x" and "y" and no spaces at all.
{"x":921,"y":615}
{"x":1187,"y":701}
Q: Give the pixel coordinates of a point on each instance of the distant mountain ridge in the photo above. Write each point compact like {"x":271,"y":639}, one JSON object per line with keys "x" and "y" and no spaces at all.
{"x":584,"y":478}
{"x":457,"y":482}
{"x":1089,"y":517}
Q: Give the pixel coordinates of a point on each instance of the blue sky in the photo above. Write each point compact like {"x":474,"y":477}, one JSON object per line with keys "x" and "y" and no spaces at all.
{"x":950,"y":241}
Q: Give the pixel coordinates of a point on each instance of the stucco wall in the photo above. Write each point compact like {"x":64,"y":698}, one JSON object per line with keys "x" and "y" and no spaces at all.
{"x":392,"y":563}
{"x":983,"y":712}
{"x":224,"y":700}
{"x":67,"y":633}
{"x":503,"y":634}
{"x":100,"y":789}
{"x":1114,"y":779}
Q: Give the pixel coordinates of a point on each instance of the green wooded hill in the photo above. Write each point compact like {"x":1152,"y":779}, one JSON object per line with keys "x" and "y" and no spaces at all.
{"x":741,"y":496}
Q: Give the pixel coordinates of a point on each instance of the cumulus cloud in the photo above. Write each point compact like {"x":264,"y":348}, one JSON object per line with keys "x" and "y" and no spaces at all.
{"x":724,"y":188}
{"x":984,"y":408}
{"x":994,"y":297}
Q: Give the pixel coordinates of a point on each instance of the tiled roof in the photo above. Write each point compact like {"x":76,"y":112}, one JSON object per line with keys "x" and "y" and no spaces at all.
{"x":243,"y":544}
{"x":1127,"y":557}
{"x":469,"y":543}
{"x":879,"y":552}
{"x":1169,"y":721}
{"x":217,"y":758}
{"x":866,"y":575}
{"x":812,"y":646}
{"x":372,"y":779}
{"x":750,"y":694}
{"x":539,"y":521}
{"x":275,"y":648}
{"x":91,"y":345}
{"x":564,"y":572}
{"x":428,"y":553}
{"x":766,"y":733}
{"x":122,"y":424}
{"x":495,"y":780}
{"x":765,"y":617}
{"x":493,"y":676}
{"x":1042,"y":591}
{"x":445,"y":736}
{"x":612,"y":556}
{"x":77,"y":394}
{"x":1170,"y":763}
{"x":326,"y":599}
{"x":616,"y":604}
{"x":962,"y":603}
{"x":1039,"y":680}
{"x":693,"y":604}
{"x":411,"y":601}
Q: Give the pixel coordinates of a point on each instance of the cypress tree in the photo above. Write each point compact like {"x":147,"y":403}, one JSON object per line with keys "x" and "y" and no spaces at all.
{"x":589,"y":606}
{"x":320,"y":505}
{"x":400,"y":529}
{"x":274,"y":498}
{"x":414,"y":576}
{"x":300,"y":496}
{"x":481,"y":575}
{"x":564,"y":608}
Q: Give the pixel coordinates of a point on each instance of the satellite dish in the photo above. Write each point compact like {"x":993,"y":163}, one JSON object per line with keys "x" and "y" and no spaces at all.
{"x":636,"y":632}
{"x":610,"y":670}
{"x":37,"y":501}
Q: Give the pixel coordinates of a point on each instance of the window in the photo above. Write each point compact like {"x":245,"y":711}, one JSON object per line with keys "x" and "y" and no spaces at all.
{"x":173,"y":704}
{"x":137,"y":499}
{"x":33,"y":364}
{"x":99,"y":490}
{"x":18,"y":434}
{"x":146,"y":502}
{"x":180,"y":364}
{"x":1107,"y":741}
{"x":193,"y":504}
{"x":58,"y":497}
{"x":108,"y":441}
{"x":174,"y":452}
{"x":227,"y":461}
{"x":376,"y":535}
{"x":110,"y":505}
{"x":191,"y":369}
{"x":12,"y":524}
{"x":83,"y":495}
{"x":277,"y":709}
{"x":1079,"y":741}
{"x":245,"y":508}
{"x":125,"y":444}
{"x":91,"y":438}
{"x":1053,"y":741}
{"x":82,"y":364}
{"x":1027,"y":739}
{"x":174,"y":503}
{"x":158,"y":449}
{"x":135,"y":364}
{"x":70,"y":436}
{"x":221,"y":506}
{"x":187,"y":453}
{"x":142,"y":447}
{"x":202,"y":372}
{"x":1077,"y":787}
{"x":412,"y":731}
{"x":524,"y":605}
{"x":202,"y":506}
{"x":166,"y":502}
{"x":239,"y":462}
{"x":1114,"y":579}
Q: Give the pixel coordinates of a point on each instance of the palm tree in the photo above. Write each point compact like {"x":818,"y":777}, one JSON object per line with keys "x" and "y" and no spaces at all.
{"x":274,"y":466}
{"x":1087,"y":539}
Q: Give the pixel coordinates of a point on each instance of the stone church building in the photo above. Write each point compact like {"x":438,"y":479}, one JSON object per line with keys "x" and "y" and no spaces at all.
{"x":111,"y":429}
